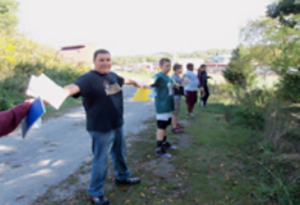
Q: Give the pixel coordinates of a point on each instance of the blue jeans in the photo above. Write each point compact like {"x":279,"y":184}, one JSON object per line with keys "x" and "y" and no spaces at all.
{"x":103,"y":144}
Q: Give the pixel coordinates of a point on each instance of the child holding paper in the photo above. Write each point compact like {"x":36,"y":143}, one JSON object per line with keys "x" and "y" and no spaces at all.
{"x":10,"y":119}
{"x":164,"y":104}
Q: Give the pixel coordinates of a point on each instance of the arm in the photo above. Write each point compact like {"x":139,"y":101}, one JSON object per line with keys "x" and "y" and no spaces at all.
{"x":128,"y":81}
{"x":72,"y":89}
{"x":10,"y":119}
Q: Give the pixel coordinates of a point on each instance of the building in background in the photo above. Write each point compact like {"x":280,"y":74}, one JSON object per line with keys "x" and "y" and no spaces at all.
{"x":195,"y":61}
{"x":81,"y":53}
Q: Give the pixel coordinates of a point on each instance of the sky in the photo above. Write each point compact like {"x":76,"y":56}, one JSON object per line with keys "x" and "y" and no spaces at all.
{"x":131,"y":27}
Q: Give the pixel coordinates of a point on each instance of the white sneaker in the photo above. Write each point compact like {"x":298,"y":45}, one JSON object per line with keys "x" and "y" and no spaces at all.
{"x":202,"y":103}
{"x":190,"y":115}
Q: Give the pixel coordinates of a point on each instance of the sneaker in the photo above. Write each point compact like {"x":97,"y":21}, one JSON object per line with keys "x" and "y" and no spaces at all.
{"x":169,"y":146}
{"x":129,"y":181}
{"x":177,"y":130}
{"x":180,"y":125}
{"x":201,"y":103}
{"x":99,"y":200}
{"x":161,"y":152}
{"x":190,"y":115}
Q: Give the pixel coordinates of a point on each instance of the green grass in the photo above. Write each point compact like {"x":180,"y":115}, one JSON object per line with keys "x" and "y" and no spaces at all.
{"x":219,"y":163}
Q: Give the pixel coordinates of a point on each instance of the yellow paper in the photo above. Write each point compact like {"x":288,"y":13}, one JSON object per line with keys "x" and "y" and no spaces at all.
{"x":142,"y":94}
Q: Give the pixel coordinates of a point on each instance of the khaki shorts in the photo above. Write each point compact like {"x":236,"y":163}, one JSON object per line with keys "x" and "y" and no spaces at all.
{"x":177,"y":105}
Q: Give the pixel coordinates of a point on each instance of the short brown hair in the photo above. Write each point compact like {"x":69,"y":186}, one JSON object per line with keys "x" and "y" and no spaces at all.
{"x":203,"y":66}
{"x":177,"y":66}
{"x":100,"y":51}
{"x":163,"y":61}
{"x":190,"y":65}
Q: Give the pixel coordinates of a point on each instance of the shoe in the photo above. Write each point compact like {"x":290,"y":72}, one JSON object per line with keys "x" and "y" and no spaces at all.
{"x":169,"y":146}
{"x":177,"y":130}
{"x":201,"y":103}
{"x":180,"y":125}
{"x":161,"y":152}
{"x":190,"y":115}
{"x":129,"y":181}
{"x":100,"y":200}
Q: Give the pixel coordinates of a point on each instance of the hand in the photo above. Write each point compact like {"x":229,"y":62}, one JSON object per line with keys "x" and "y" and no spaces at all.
{"x":176,"y":85}
{"x":30,"y":99}
{"x":202,"y":89}
{"x":138,"y":85}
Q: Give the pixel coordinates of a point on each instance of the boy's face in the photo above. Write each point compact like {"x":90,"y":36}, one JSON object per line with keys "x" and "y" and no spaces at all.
{"x":102,"y":63}
{"x":178,"y":71}
{"x":166,"y":67}
{"x":191,"y":68}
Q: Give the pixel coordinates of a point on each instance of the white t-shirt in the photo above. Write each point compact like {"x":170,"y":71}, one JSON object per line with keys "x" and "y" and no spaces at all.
{"x":193,"y":81}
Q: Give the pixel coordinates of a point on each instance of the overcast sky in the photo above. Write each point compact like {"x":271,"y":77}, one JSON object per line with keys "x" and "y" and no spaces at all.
{"x":127,"y":27}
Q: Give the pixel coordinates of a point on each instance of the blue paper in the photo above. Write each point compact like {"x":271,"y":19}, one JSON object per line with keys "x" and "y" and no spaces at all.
{"x":36,"y":110}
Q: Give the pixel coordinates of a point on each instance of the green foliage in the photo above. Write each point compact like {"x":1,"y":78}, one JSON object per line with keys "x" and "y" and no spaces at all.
{"x":239,"y":72}
{"x":283,"y":10}
{"x":277,"y":48}
{"x":20,"y":58}
{"x":8,"y":18}
{"x":289,"y":87}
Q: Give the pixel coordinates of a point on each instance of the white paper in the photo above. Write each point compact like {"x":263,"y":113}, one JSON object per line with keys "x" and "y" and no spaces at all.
{"x":48,"y":90}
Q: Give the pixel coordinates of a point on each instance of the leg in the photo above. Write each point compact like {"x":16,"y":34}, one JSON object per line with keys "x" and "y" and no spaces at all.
{"x":176,"y":112}
{"x":193,"y":100}
{"x":102,"y":144}
{"x":187,"y":100}
{"x":118,"y":154}
{"x":207,"y":95}
{"x":174,"y":121}
{"x":160,"y":135}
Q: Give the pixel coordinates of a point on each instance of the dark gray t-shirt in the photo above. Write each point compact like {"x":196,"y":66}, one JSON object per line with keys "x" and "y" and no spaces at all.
{"x":104,"y":112}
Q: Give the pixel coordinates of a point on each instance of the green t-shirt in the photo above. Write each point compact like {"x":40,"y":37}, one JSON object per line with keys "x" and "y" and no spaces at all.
{"x":164,"y":102}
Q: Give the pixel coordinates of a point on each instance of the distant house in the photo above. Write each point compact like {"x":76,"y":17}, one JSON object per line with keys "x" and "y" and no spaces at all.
{"x":184,"y":61}
{"x":82,"y":53}
{"x":216,"y":68}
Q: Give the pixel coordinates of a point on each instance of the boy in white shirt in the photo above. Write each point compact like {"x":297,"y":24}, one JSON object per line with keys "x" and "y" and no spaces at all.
{"x":191,"y":89}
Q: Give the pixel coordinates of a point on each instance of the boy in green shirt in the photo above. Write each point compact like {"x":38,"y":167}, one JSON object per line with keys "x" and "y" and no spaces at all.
{"x":164,"y":104}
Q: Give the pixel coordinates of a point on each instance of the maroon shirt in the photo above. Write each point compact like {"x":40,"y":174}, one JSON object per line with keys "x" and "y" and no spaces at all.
{"x":10,"y":119}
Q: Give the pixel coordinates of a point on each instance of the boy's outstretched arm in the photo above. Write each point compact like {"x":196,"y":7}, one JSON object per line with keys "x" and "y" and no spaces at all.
{"x":72,"y":89}
{"x":128,"y":81}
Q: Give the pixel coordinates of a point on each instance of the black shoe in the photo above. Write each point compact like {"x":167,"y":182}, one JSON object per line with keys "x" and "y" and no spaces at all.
{"x":169,"y":146}
{"x":129,"y":181}
{"x":100,"y":200}
{"x":162,"y":152}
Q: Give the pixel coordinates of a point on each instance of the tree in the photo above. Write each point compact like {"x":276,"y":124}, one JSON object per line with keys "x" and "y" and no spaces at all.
{"x":276,"y":46}
{"x":8,"y":18}
{"x":285,"y":10}
{"x":240,"y":68}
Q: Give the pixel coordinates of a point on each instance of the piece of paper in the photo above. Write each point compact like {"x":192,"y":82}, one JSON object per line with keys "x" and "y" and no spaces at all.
{"x":36,"y":110}
{"x":142,"y":94}
{"x":48,"y":90}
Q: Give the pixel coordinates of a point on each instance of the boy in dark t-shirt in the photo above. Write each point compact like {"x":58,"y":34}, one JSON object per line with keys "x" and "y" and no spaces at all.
{"x":102,"y":97}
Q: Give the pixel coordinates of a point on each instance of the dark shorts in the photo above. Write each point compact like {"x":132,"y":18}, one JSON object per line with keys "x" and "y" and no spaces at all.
{"x":191,"y":97}
{"x":162,"y":124}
